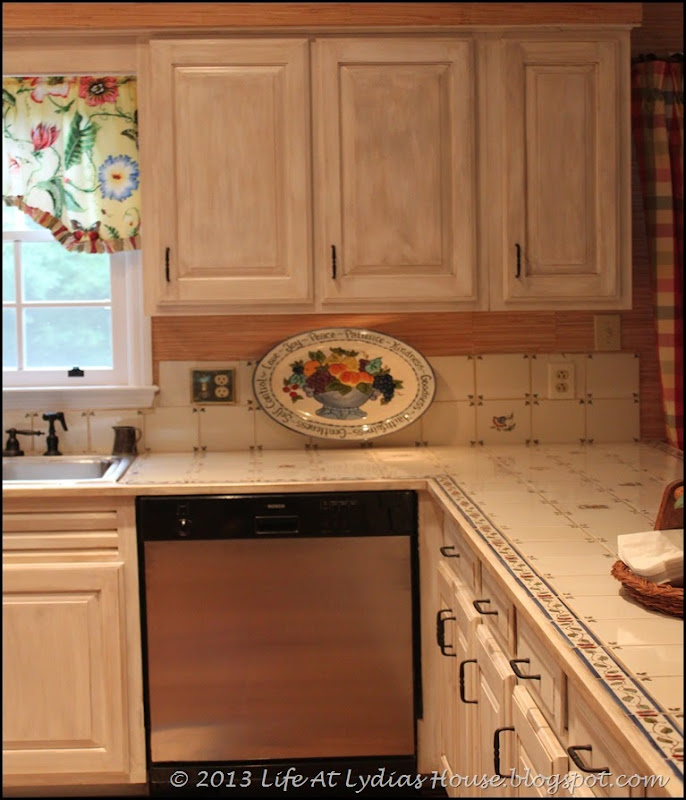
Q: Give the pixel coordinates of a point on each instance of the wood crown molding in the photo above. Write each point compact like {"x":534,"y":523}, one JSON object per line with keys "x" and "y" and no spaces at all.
{"x":121,"y":17}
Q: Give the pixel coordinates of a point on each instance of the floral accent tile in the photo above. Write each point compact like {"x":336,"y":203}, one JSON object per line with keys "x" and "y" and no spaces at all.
{"x":503,"y":421}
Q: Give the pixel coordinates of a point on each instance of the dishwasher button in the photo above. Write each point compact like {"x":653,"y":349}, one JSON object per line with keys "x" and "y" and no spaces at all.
{"x":184,"y":527}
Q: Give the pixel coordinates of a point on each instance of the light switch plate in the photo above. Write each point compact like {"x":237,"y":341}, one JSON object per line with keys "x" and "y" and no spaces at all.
{"x":607,"y":332}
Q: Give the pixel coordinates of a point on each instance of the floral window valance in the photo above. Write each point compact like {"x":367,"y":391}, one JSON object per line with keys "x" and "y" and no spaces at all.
{"x":70,"y":153}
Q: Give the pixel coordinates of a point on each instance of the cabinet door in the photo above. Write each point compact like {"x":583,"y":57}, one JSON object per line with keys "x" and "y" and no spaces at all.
{"x":458,"y":681}
{"x":225,"y":141}
{"x":567,"y":174}
{"x":539,"y":757}
{"x":64,"y":706}
{"x":495,"y":740}
{"x":394,"y":172}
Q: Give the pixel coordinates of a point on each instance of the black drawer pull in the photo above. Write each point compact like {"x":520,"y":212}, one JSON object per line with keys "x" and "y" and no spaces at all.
{"x":446,"y":551}
{"x":521,"y":675}
{"x":576,"y":758}
{"x":440,"y":632}
{"x":462,"y":697}
{"x":477,"y":606}
{"x":518,"y":273}
{"x":496,"y":751}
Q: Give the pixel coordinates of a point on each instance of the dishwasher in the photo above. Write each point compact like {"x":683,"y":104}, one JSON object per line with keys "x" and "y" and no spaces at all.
{"x":280,"y":636}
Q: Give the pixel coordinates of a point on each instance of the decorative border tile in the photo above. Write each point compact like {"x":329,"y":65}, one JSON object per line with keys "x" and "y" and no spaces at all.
{"x":632,"y":697}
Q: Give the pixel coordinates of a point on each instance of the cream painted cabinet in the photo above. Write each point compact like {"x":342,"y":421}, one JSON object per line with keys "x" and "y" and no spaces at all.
{"x":565,"y":174}
{"x":395,"y":171}
{"x":456,"y":624}
{"x":326,"y":173}
{"x":72,"y":683}
{"x":225,"y":148}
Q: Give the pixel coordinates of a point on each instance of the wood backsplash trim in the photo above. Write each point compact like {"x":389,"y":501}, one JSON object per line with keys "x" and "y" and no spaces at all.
{"x":180,"y":16}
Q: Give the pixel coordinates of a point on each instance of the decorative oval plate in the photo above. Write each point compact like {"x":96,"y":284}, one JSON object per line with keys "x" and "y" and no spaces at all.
{"x":344,"y":383}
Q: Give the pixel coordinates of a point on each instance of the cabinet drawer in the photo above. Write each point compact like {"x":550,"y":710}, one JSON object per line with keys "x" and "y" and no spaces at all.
{"x":459,"y":555}
{"x":549,"y":688}
{"x":59,"y":531}
{"x":496,"y":611}
{"x":538,"y":747}
{"x":589,"y":740}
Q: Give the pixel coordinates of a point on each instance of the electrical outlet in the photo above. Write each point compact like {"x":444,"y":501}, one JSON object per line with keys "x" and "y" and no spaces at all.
{"x":561,"y":381}
{"x":607,"y":332}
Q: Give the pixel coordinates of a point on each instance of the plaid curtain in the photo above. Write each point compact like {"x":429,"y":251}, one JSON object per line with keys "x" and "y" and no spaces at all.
{"x":70,"y":158}
{"x":657,"y":111}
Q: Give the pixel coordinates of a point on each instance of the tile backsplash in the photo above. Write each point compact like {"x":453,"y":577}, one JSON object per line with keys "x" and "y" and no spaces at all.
{"x":480,"y":400}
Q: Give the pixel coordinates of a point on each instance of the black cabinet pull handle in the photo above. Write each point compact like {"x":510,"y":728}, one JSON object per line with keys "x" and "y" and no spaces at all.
{"x":440,"y":632}
{"x":448,"y":551}
{"x":496,"y":751}
{"x":576,"y":758}
{"x":333,"y":261}
{"x":477,"y":606}
{"x":462,"y":665}
{"x":518,"y":273}
{"x":518,"y":673}
{"x":166,"y":264}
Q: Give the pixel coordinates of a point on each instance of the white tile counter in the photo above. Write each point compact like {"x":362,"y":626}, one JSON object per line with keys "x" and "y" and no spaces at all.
{"x":547,"y":516}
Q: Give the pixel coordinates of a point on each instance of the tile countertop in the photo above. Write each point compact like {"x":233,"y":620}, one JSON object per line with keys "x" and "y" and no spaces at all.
{"x":549,"y":516}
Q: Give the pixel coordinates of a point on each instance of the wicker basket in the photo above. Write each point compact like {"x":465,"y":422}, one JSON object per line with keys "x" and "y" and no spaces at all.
{"x":655,"y":596}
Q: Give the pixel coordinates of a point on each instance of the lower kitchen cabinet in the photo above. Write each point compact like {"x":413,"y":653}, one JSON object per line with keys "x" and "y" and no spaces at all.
{"x":72,"y":684}
{"x":502,"y":699}
{"x":496,"y":684}
{"x":598,"y":754}
{"x":456,"y":622}
{"x":537,"y":751}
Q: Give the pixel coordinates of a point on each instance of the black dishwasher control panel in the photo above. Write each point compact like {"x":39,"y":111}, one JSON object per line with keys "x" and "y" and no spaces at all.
{"x":189,"y":517}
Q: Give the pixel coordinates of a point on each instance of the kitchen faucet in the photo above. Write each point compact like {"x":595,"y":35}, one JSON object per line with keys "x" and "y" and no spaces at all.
{"x":12,"y":447}
{"x":51,"y":417}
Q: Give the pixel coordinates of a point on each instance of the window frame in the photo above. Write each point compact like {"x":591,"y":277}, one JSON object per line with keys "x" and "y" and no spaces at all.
{"x":49,"y":56}
{"x":117,"y":374}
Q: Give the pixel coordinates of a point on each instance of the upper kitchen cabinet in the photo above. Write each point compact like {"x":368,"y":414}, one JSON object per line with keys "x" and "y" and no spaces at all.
{"x":565,"y":176}
{"x":225,"y":152}
{"x":395,"y":172}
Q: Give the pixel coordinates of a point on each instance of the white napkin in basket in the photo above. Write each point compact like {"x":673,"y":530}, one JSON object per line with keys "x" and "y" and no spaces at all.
{"x":655,"y":555}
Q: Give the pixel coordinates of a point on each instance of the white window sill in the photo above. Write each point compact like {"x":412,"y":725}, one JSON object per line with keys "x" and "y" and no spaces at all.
{"x":62,"y":397}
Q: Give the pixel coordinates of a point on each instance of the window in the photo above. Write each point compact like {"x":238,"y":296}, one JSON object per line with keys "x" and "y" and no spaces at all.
{"x":74,"y":332}
{"x":59,"y":310}
{"x":62,"y":310}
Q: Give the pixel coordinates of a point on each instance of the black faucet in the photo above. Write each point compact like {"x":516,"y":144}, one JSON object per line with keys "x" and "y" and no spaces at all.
{"x":12,"y":447}
{"x":51,"y":417}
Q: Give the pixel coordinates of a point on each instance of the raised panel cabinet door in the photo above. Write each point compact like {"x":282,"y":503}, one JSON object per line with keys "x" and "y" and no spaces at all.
{"x":459,"y":684}
{"x":226,"y":138}
{"x":567,"y":174}
{"x":64,"y":690}
{"x":394,"y":171}
{"x":495,"y":738}
{"x":541,"y":763}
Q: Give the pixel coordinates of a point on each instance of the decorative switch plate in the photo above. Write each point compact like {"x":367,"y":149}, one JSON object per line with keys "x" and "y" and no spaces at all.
{"x":213,"y":386}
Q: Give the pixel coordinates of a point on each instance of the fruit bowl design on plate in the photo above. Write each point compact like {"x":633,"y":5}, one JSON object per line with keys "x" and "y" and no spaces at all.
{"x":342,"y":381}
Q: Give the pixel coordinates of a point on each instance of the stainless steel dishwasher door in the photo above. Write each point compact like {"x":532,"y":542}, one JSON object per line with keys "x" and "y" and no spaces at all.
{"x":280,"y":648}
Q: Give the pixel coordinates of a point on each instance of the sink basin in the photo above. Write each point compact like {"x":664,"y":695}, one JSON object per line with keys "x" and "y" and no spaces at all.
{"x":48,"y":469}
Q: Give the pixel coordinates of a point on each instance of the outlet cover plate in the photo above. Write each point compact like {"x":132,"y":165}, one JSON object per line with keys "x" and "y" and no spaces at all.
{"x":561,"y":384}
{"x":213,"y":386}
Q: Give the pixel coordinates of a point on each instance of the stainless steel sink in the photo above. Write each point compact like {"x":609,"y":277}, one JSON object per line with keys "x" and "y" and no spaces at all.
{"x":50,"y":469}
